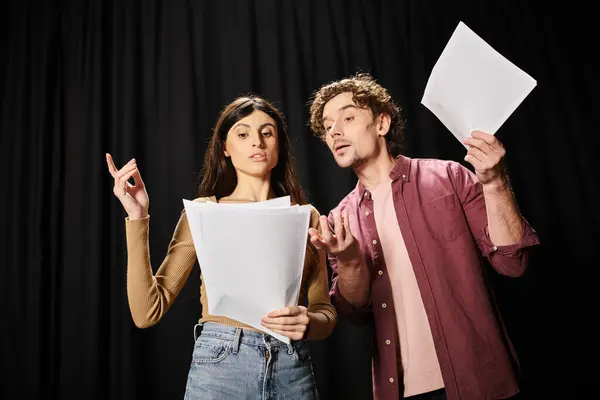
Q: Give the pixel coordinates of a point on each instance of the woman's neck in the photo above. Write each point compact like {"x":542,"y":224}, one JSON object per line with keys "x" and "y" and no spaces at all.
{"x":250,"y":189}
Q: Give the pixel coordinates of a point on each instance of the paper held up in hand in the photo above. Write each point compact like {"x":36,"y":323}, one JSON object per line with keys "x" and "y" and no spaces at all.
{"x":473,"y":87}
{"x":251,"y":256}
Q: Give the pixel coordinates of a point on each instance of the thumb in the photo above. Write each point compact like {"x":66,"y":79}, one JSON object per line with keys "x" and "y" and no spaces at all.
{"x":318,"y":243}
{"x":137,"y":178}
{"x":313,"y":232}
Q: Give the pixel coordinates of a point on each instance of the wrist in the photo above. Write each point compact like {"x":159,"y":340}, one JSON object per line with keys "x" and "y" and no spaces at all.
{"x":499,"y":184}
{"x":307,"y":331}
{"x":133,"y":217}
{"x":351,"y":262}
{"x":311,"y":316}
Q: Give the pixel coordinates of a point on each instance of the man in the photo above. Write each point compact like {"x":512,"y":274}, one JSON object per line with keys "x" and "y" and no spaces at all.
{"x":408,"y":250}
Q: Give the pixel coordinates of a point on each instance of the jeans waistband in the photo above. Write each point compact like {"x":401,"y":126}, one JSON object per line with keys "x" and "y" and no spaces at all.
{"x":238,"y":335}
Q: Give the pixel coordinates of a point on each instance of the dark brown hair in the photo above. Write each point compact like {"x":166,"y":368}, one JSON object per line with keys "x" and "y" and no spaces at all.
{"x":366,"y":93}
{"x":218,"y":174}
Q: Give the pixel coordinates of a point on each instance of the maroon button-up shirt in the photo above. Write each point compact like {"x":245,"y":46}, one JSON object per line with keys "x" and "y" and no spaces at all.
{"x":441,"y":213}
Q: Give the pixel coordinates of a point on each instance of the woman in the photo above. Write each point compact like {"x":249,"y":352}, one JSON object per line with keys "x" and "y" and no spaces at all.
{"x":248,"y":159}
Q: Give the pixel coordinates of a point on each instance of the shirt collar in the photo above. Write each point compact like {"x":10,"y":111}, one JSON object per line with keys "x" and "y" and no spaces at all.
{"x":401,"y":170}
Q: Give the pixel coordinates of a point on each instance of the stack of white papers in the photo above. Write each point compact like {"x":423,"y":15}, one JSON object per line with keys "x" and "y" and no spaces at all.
{"x":251,"y":256}
{"x":473,"y":87}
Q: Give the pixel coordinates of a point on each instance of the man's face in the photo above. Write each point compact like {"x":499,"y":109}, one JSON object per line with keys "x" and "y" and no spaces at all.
{"x":351,"y":132}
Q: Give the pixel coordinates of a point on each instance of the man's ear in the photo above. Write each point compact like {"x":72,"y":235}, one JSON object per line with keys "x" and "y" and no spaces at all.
{"x":383,"y":124}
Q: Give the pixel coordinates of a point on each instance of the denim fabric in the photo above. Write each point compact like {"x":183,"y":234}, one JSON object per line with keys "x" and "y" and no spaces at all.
{"x":233,"y":363}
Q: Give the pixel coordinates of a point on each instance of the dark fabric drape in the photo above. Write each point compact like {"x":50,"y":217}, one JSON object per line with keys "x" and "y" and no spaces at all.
{"x":146,"y":79}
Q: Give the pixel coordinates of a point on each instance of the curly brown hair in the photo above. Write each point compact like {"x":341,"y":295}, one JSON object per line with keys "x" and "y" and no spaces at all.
{"x":366,"y":93}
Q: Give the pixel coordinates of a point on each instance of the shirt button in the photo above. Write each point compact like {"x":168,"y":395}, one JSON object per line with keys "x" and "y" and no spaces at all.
{"x":374,"y":241}
{"x":391,"y":380}
{"x":495,"y":248}
{"x":383,"y":305}
{"x":380,"y":272}
{"x":366,"y":212}
{"x":388,"y":342}
{"x":403,"y":176}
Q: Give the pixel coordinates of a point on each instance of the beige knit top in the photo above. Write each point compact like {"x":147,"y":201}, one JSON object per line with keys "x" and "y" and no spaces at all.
{"x":150,"y":296}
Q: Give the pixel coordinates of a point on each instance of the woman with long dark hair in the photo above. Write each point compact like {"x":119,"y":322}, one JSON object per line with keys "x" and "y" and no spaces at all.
{"x":248,"y":159}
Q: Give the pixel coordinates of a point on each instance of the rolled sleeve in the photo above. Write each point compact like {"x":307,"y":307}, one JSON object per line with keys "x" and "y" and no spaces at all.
{"x":510,"y":260}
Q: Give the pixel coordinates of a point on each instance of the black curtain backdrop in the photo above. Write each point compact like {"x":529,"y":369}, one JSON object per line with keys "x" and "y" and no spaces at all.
{"x":147,"y":79}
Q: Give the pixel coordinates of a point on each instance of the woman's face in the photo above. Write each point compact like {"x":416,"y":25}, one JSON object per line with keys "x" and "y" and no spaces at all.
{"x":252,"y":144}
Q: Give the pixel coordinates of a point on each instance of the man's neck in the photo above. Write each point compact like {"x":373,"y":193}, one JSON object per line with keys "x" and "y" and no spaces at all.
{"x":376,"y":170}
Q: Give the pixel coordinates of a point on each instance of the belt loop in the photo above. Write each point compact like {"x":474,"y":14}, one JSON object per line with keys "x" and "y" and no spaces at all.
{"x":235,"y":345}
{"x":290,"y":347}
{"x":197,"y":331}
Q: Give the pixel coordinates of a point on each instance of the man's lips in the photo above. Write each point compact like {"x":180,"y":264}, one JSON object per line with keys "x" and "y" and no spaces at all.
{"x":340,"y":146}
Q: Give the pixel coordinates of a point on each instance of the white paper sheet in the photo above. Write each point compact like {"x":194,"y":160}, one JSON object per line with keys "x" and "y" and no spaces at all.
{"x":473,"y":87}
{"x":251,"y":256}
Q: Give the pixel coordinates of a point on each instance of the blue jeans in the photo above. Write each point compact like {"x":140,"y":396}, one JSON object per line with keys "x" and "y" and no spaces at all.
{"x":233,"y":363}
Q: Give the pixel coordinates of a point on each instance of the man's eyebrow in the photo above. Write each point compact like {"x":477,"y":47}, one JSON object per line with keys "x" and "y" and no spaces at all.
{"x":342,"y":108}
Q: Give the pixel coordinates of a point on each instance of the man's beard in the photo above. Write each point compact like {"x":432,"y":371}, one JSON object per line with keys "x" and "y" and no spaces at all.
{"x":352,"y":162}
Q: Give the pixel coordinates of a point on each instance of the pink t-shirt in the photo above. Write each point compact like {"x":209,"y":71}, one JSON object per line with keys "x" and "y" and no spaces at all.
{"x":419,"y":360}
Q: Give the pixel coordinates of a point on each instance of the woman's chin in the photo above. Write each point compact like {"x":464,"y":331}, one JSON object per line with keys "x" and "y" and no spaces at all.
{"x":257,"y":171}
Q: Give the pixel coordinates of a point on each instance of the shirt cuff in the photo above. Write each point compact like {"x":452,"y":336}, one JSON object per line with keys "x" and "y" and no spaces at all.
{"x":344,"y":307}
{"x":528,"y":238}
